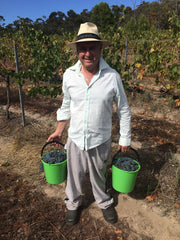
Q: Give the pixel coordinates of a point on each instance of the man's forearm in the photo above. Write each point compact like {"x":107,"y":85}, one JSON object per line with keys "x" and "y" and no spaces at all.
{"x":61,"y":126}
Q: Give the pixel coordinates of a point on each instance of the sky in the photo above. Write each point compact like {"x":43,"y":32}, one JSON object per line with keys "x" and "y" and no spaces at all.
{"x":33,"y":9}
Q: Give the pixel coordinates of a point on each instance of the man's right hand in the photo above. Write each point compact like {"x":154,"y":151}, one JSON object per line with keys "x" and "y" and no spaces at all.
{"x":54,"y":137}
{"x":57,"y":135}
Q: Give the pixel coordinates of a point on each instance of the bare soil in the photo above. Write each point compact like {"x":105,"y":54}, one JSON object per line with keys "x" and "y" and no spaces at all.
{"x":30,"y":208}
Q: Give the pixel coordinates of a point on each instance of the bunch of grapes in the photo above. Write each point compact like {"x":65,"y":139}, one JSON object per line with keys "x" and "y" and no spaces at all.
{"x":55,"y":156}
{"x":126,"y":164}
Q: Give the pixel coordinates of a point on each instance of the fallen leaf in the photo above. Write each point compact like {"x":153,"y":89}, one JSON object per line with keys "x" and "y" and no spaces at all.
{"x":177,"y":205}
{"x":119,"y":238}
{"x":151,"y":198}
{"x":60,"y":206}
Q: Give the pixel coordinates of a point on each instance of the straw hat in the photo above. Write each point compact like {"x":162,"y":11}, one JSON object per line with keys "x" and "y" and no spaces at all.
{"x":88,"y":32}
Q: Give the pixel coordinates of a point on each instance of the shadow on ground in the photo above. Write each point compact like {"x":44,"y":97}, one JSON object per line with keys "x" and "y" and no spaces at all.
{"x":150,"y":180}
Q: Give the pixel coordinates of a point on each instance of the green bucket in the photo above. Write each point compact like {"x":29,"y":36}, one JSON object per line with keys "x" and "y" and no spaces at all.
{"x":124,"y":181}
{"x":55,"y":173}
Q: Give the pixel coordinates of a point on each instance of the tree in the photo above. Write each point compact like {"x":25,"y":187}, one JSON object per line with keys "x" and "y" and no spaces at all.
{"x":85,"y":15}
{"x":39,"y":24}
{"x":55,"y":23}
{"x":128,"y":13}
{"x":1,"y":25}
{"x":118,"y":11}
{"x":119,"y":14}
{"x":102,"y":16}
{"x":1,"y":19}
{"x":143,"y":24}
{"x":167,"y":8}
{"x":174,"y":22}
{"x":73,"y":20}
{"x":131,"y":28}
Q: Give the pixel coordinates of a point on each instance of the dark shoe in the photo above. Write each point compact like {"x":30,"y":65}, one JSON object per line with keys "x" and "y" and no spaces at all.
{"x":71,"y":217}
{"x":110,"y":214}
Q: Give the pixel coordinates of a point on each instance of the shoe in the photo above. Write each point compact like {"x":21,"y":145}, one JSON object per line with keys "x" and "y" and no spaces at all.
{"x":71,"y":217}
{"x":110,"y":214}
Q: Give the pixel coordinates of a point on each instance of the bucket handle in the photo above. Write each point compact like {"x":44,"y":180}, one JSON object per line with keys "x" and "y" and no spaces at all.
{"x":50,"y":143}
{"x":119,"y":151}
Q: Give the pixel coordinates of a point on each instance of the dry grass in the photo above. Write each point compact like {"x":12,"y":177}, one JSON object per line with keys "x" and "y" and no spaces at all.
{"x":35,"y":217}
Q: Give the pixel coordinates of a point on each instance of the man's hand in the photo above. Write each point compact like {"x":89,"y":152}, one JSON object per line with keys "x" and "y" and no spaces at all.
{"x":124,"y":148}
{"x":56,"y":136}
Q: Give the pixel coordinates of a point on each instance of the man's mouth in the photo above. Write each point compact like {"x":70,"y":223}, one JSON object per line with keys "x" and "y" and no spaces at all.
{"x":89,"y":59}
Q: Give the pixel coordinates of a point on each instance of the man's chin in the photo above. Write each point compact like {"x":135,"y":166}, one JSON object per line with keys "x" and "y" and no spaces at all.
{"x":89,"y":64}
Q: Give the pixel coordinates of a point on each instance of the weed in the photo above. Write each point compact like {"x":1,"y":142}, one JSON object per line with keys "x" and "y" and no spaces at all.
{"x":152,"y":184}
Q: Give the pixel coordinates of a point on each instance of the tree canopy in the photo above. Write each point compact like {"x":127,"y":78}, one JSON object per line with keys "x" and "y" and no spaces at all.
{"x":155,"y":14}
{"x":102,"y":15}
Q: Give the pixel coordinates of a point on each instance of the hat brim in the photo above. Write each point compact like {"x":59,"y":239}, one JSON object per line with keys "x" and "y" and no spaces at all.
{"x":73,"y":45}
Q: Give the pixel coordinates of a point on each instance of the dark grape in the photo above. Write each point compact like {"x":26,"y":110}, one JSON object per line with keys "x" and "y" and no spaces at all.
{"x":55,"y":156}
{"x":126,"y":164}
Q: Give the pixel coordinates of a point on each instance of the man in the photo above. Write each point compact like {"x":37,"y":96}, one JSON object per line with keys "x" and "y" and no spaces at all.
{"x":90,"y":87}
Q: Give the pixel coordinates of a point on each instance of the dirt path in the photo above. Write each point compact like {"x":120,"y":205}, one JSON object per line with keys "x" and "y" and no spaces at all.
{"x":139,"y":219}
{"x":142,"y":219}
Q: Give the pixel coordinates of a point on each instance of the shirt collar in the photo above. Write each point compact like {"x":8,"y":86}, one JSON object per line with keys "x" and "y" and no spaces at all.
{"x":77,"y":67}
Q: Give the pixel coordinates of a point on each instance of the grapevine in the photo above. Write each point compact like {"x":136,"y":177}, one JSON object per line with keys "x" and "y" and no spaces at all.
{"x":43,"y":59}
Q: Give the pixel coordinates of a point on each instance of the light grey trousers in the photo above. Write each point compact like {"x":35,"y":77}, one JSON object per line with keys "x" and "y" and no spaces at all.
{"x":78,"y":161}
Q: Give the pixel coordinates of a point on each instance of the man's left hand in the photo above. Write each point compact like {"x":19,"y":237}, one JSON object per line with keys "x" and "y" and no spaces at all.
{"x":124,"y":148}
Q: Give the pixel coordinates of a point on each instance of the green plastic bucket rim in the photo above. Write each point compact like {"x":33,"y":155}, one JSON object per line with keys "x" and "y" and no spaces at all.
{"x":54,"y":164}
{"x":137,"y":170}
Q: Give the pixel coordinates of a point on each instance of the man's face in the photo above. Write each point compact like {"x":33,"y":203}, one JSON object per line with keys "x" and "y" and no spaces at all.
{"x":89,"y":54}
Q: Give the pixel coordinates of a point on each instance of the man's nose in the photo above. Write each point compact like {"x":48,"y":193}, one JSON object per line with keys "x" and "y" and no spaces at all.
{"x":88,"y":52}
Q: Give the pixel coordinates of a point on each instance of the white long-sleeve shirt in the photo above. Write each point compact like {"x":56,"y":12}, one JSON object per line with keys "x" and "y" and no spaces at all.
{"x":89,"y":107}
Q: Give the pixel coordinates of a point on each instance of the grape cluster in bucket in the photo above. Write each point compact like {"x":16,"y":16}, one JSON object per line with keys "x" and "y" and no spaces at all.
{"x":126,"y":164}
{"x":55,"y":156}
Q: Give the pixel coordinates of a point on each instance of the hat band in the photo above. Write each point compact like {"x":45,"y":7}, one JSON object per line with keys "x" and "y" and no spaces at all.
{"x":87,"y":35}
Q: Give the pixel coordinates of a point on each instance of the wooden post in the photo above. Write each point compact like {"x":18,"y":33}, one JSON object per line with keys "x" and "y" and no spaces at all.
{"x":19,"y":85}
